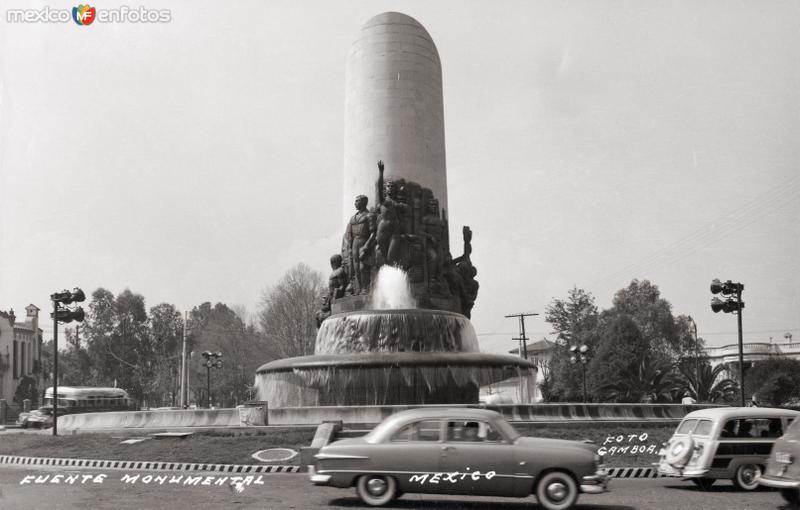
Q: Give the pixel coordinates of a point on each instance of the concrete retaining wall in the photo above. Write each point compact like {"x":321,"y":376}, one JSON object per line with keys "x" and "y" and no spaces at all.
{"x":368,"y":415}
{"x":165,"y":419}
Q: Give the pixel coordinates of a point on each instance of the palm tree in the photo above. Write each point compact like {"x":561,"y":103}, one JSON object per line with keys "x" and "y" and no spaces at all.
{"x":648,"y":381}
{"x":704,"y":386}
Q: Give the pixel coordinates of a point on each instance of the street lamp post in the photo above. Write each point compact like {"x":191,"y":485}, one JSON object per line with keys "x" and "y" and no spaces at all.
{"x":696,"y":358}
{"x":581,"y":354}
{"x":212,"y":360}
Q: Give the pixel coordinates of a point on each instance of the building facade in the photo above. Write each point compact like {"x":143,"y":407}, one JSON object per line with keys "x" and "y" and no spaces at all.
{"x":516,"y":391}
{"x":728,"y":355}
{"x":20,"y":354}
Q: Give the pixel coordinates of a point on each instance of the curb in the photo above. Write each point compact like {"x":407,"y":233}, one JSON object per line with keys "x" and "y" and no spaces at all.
{"x":14,"y":460}
{"x":633,"y":472}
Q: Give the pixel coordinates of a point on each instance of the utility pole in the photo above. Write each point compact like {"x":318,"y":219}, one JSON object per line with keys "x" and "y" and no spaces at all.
{"x":522,"y":336}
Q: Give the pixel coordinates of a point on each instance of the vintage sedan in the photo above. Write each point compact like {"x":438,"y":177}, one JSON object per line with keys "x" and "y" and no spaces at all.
{"x":783,"y":467}
{"x":39,"y":418}
{"x":459,"y":451}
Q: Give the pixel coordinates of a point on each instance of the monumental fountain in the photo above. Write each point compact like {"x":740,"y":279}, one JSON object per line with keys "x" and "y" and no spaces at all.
{"x":394,"y":324}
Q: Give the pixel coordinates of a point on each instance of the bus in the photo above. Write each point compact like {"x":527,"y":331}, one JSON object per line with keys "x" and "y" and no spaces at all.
{"x":87,"y":399}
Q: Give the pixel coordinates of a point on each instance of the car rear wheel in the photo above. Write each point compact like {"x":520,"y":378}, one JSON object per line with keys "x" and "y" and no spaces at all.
{"x":376,"y":490}
{"x":557,"y":491}
{"x":746,"y":476}
{"x":703,"y":483}
{"x":792,"y":496}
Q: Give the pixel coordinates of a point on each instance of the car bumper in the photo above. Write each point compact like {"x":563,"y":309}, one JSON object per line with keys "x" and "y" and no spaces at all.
{"x":777,"y":483}
{"x":316,"y":478}
{"x":596,"y":483}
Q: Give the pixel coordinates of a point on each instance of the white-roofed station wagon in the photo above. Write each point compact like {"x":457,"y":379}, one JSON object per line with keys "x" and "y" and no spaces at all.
{"x":731,"y":443}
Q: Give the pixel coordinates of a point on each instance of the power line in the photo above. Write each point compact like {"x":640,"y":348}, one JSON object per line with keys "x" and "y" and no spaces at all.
{"x":715,"y":229}
{"x":785,"y":330}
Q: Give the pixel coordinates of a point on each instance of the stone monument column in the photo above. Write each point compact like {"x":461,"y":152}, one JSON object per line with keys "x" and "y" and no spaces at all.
{"x":393,"y":109}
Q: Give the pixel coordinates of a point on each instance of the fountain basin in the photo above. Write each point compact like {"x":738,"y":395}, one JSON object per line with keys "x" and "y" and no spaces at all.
{"x":387,"y":378}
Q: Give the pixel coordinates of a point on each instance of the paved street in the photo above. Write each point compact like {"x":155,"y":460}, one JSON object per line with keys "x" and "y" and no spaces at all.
{"x":89,"y":489}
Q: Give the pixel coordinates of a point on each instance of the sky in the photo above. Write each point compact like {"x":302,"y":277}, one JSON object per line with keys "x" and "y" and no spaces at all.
{"x":588,"y":143}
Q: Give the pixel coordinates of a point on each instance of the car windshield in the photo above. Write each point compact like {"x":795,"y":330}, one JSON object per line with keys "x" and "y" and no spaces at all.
{"x":703,"y":428}
{"x":793,"y":429}
{"x":686,"y":427}
{"x":507,"y":430}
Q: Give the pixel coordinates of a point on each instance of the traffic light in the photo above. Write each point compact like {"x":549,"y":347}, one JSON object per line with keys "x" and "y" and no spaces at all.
{"x":65,"y":297}
{"x":728,"y":288}
{"x":733,"y":296}
{"x":67,"y":316}
{"x":727,"y":306}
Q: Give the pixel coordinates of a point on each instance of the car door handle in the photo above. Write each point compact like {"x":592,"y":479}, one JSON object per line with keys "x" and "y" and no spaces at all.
{"x":445,"y":448}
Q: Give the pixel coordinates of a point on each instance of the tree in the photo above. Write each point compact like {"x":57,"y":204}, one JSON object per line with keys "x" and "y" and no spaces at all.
{"x":572,"y":317}
{"x":119,"y":343}
{"x":166,"y":331}
{"x":75,"y":367}
{"x":776,"y":381}
{"x":27,"y":390}
{"x":574,"y":320}
{"x":621,"y":357}
{"x":708,"y":388}
{"x":219,"y":329}
{"x":642,"y":302}
{"x":647,"y":381}
{"x":287,"y":311}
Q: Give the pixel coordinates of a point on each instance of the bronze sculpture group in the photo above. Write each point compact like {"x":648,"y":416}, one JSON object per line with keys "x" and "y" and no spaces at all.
{"x":405,"y":229}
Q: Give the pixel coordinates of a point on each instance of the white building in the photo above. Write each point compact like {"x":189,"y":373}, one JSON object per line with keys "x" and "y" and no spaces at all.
{"x":20,"y":353}
{"x":728,"y":355}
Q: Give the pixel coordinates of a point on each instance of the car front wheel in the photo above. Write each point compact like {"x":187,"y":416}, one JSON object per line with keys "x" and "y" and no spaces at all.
{"x":792,"y":496}
{"x":557,"y":491}
{"x":746,"y":476}
{"x":376,"y":490}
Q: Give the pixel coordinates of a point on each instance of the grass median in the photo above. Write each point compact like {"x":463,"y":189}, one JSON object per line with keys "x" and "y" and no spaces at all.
{"x":622,"y":445}
{"x":200,"y":447}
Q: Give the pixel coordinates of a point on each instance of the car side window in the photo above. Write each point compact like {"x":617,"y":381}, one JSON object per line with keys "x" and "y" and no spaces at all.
{"x":425,"y":430}
{"x":747,"y":428}
{"x":729,"y":429}
{"x":472,"y":431}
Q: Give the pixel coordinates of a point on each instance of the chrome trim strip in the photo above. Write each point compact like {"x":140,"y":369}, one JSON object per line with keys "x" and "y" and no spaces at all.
{"x":415,"y":472}
{"x":593,"y":489}
{"x":323,"y":456}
